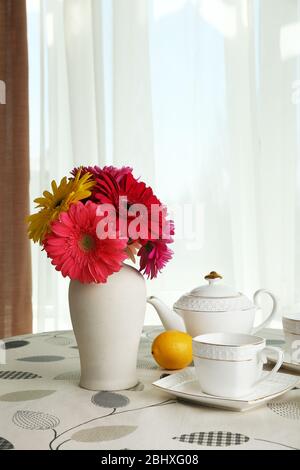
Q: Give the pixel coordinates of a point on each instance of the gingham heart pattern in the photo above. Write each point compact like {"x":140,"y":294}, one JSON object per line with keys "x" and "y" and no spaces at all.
{"x":213,"y":438}
{"x":5,"y":444}
{"x":288,"y":409}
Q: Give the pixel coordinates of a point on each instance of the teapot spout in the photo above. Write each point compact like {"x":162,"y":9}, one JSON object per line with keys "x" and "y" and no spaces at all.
{"x":169,"y":319}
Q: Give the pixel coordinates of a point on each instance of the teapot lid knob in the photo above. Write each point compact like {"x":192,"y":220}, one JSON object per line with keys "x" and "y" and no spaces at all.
{"x":213,"y":275}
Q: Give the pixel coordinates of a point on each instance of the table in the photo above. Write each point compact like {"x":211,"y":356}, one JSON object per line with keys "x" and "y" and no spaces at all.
{"x":42,"y":407}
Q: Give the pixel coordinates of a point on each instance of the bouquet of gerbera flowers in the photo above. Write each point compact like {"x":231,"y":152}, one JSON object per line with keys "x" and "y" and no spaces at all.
{"x":93,"y":221}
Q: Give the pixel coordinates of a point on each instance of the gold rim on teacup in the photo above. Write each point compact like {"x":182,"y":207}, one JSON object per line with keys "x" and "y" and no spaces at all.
{"x":252,"y":343}
{"x":222,"y":360}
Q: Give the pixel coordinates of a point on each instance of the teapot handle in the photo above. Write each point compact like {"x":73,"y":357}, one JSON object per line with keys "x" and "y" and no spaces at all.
{"x":273,"y":312}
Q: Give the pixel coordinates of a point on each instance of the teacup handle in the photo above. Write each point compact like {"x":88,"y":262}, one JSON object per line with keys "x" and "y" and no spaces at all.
{"x":265,"y":322}
{"x":280,"y":357}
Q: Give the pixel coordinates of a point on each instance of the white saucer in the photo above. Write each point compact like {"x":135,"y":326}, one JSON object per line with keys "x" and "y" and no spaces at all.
{"x":184,"y":385}
{"x":292,"y":366}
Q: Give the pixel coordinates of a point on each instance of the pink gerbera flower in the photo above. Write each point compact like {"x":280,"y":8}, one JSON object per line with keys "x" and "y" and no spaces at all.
{"x":154,"y":256}
{"x":76,"y":250}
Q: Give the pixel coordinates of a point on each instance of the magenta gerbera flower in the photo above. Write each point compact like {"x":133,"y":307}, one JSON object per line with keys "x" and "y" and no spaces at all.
{"x":154,"y":256}
{"x":76,"y":250}
{"x":96,"y":171}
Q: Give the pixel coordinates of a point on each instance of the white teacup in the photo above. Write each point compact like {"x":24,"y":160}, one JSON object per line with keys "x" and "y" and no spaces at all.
{"x":291,"y":328}
{"x":230,"y":365}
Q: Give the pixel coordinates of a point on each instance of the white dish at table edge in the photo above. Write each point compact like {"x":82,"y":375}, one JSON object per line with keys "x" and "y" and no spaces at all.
{"x":184,"y":385}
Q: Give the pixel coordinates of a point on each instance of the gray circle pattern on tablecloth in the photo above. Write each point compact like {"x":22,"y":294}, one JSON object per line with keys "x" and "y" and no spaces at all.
{"x":103,"y":433}
{"x":26,"y":395}
{"x":42,"y":358}
{"x":70,"y":375}
{"x":15,"y":344}
{"x":110,"y":400}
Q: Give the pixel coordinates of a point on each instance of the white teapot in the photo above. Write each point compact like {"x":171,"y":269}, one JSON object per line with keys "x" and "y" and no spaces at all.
{"x":213,"y":308}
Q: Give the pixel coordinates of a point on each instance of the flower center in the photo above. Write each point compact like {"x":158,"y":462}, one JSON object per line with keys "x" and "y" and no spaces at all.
{"x":58,"y":203}
{"x":86,"y":243}
{"x":149,"y":247}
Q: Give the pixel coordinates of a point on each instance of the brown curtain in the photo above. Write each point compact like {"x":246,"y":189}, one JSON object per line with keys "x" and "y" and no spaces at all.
{"x":15,"y":266}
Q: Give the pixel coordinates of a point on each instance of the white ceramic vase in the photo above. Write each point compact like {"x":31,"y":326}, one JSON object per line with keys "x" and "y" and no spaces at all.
{"x":107,"y":321}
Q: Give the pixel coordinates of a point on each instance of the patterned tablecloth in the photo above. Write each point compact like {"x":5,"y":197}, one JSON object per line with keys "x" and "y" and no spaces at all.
{"x":42,"y":407}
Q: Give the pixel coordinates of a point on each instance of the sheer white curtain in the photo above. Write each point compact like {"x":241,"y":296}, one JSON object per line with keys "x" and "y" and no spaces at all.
{"x":201,"y":98}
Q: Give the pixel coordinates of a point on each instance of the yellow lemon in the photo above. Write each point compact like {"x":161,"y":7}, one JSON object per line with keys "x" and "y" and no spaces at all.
{"x":172,"y":350}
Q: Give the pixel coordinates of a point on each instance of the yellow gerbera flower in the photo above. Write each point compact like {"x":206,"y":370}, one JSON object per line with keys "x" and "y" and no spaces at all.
{"x":68,"y":192}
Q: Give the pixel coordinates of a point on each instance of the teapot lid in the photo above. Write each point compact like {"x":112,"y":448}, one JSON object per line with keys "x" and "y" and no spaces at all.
{"x":214,"y":296}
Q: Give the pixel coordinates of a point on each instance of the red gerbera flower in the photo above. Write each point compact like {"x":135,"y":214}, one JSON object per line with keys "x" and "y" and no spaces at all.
{"x":131,"y":191}
{"x":137,"y":192}
{"x":108,"y":175}
{"x":76,"y":250}
{"x":117,"y":173}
